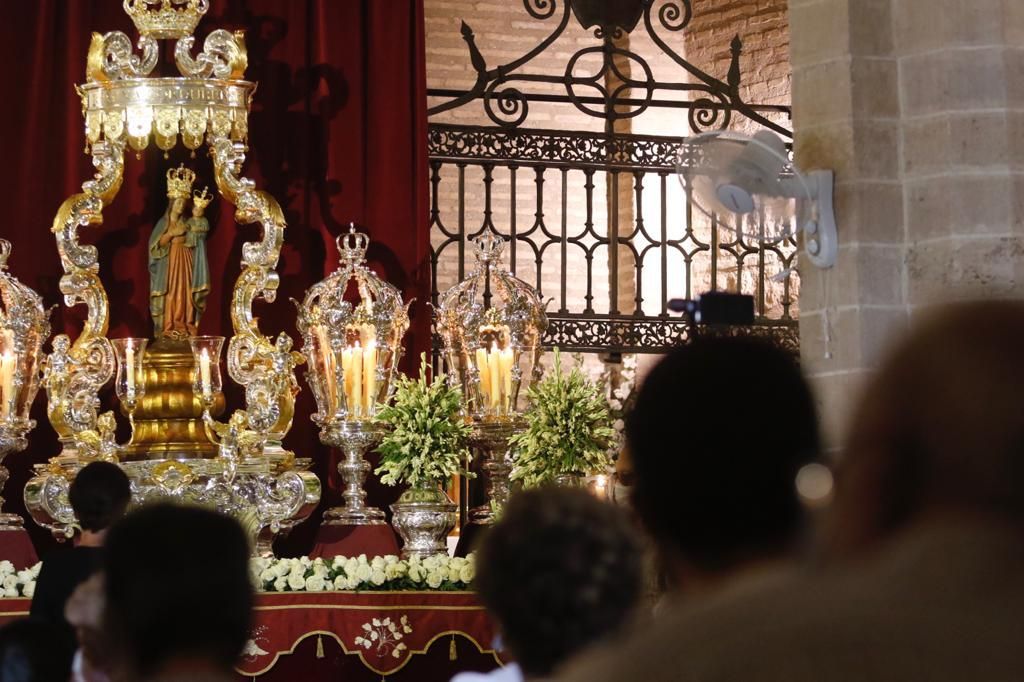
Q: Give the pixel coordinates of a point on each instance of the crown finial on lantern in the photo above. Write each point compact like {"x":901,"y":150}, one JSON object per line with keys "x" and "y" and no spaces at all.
{"x":166,"y":18}
{"x":352,"y":246}
{"x":488,"y":246}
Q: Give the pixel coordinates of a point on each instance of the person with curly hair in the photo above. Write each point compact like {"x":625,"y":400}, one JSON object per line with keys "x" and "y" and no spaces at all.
{"x":560,"y":572}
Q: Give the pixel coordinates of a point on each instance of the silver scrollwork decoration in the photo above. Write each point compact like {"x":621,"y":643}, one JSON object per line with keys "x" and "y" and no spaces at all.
{"x":111,"y":57}
{"x":223,"y":56}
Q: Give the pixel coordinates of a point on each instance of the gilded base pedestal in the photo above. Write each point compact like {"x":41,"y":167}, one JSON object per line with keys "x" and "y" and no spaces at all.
{"x":169,"y":418}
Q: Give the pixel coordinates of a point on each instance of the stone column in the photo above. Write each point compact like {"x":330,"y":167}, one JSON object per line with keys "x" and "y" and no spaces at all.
{"x":962,"y":111}
{"x":846,"y":117}
{"x":912,"y":103}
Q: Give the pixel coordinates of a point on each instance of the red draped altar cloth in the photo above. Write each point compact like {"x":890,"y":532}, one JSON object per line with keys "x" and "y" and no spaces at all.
{"x":420,"y":636}
{"x":332,"y":541}
{"x":16,"y":547}
{"x":338,"y":134}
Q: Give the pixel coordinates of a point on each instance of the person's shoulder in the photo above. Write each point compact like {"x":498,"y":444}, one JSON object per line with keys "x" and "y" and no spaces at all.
{"x":690,"y":640}
{"x":65,"y":557}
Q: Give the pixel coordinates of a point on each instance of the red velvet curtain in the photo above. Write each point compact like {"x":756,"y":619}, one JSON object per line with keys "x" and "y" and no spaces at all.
{"x":338,"y":134}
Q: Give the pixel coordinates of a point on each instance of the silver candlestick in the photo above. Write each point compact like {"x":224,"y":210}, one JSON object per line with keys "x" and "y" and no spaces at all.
{"x":12,"y":439}
{"x":354,"y":438}
{"x":491,"y":438}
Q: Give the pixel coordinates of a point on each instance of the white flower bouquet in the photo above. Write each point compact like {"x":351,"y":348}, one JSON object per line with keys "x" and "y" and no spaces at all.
{"x":384,"y":573}
{"x":15,"y":583}
{"x":568,"y":429}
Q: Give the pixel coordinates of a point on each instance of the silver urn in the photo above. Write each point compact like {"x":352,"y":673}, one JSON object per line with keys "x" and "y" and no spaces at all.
{"x":423,"y":517}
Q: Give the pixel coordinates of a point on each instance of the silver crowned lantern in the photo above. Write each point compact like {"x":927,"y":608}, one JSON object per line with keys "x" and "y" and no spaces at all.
{"x":23,"y":328}
{"x":491,"y":324}
{"x":353,"y":348}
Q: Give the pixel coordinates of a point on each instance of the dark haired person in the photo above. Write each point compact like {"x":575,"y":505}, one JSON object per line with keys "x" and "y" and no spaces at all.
{"x":560,"y":572}
{"x":720,"y":429}
{"x":177,"y":595}
{"x":99,"y":496}
{"x":27,"y":653}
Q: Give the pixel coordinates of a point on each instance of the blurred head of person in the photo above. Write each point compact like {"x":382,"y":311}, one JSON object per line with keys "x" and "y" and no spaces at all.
{"x":720,"y":429}
{"x":560,"y":571}
{"x":99,"y":495}
{"x":27,"y":653}
{"x":939,"y":432}
{"x":177,"y":592}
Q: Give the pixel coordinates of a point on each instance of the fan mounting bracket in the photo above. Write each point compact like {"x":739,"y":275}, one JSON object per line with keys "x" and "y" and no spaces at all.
{"x":821,"y":243}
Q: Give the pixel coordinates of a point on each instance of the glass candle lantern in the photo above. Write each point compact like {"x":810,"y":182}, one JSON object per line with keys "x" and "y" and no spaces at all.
{"x":206,"y":378}
{"x":23,"y":329}
{"x":490,"y":325}
{"x":352,"y":324}
{"x":130,"y":380}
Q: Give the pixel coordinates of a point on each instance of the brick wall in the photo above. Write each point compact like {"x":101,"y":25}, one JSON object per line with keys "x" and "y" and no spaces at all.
{"x":503,"y":31}
{"x":763,"y":27}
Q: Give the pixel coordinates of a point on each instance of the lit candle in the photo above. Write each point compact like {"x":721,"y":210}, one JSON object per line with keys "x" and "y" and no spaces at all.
{"x":356,"y":394}
{"x":346,"y":376}
{"x":327,"y":353}
{"x":367,"y":334}
{"x":7,"y":366}
{"x":129,"y":361}
{"x":495,"y":378}
{"x":204,"y":374}
{"x":505,"y":366}
{"x":601,"y":486}
{"x":485,"y":374}
{"x":370,"y":374}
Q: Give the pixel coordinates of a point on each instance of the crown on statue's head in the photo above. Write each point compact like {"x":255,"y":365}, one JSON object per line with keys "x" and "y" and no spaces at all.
{"x":201,"y":201}
{"x":179,"y":182}
{"x":166,"y":18}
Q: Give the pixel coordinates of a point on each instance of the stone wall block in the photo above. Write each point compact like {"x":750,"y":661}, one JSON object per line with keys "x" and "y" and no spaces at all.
{"x":869,"y":211}
{"x":982,"y":204}
{"x":1013,"y":22}
{"x":871,"y":29}
{"x":927,"y":145}
{"x":875,"y":89}
{"x":877,"y":144}
{"x":928,"y":207}
{"x":819,"y":31}
{"x":963,"y":269}
{"x":916,"y":30}
{"x":821,"y":93}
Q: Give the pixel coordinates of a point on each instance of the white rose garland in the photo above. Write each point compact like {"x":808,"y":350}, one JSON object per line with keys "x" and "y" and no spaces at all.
{"x":317,"y":575}
{"x":366,"y":573}
{"x":15,"y":583}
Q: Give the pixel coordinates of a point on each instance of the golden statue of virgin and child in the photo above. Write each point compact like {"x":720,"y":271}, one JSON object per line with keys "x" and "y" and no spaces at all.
{"x":179,"y":275}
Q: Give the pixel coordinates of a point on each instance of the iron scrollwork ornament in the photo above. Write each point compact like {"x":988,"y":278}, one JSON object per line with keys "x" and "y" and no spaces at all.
{"x":506,"y":99}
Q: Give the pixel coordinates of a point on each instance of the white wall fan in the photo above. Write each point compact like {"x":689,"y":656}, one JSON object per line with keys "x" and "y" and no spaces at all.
{"x":749,"y":185}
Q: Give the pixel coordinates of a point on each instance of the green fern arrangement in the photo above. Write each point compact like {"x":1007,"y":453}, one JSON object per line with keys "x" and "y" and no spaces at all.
{"x":568,"y":429}
{"x":427,"y":439}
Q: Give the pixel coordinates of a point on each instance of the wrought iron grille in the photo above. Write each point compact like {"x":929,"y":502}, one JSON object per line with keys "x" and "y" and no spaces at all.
{"x":599,"y":221}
